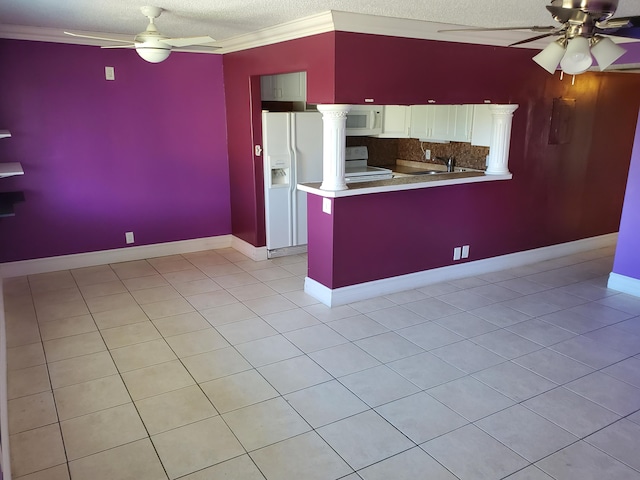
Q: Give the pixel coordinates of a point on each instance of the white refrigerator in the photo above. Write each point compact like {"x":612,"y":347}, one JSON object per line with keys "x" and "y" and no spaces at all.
{"x":292,"y":150}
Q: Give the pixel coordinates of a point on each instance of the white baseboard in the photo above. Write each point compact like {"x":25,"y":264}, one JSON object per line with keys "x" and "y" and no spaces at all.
{"x":386,"y":286}
{"x":254,"y":253}
{"x":90,"y":259}
{"x":624,"y":284}
{"x":4,"y":415}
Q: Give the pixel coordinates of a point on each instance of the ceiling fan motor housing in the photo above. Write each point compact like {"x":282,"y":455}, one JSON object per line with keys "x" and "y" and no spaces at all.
{"x":576,"y":10}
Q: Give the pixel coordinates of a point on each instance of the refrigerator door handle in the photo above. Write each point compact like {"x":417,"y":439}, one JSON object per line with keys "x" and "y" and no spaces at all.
{"x":293,"y":182}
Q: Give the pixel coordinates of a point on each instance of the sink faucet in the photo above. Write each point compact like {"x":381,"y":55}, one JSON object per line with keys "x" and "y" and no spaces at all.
{"x":450,"y":162}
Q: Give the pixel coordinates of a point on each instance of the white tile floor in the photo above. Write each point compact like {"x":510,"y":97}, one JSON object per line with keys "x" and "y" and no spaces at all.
{"x":210,"y":365}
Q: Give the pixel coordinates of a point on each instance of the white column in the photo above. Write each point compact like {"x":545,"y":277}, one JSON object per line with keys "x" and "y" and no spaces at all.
{"x":502,"y":116}
{"x":334,"y":142}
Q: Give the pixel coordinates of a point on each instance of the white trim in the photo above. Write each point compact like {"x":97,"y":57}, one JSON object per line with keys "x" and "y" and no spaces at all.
{"x":363,"y":291}
{"x":4,"y":416}
{"x":254,"y":253}
{"x":319,"y":291}
{"x":624,"y":284}
{"x":303,"y":27}
{"x":90,"y":259}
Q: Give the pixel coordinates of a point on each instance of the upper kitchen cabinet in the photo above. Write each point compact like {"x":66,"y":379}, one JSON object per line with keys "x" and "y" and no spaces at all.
{"x":423,"y":121}
{"x":451,"y":123}
{"x":286,"y":87}
{"x":396,"y":121}
{"x":460,"y":120}
{"x":481,"y":126}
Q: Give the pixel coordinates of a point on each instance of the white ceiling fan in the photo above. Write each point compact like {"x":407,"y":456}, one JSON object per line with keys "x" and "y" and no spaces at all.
{"x":151,"y":45}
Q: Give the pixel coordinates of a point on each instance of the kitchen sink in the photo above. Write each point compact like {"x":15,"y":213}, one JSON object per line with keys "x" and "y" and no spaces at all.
{"x":429,"y":172}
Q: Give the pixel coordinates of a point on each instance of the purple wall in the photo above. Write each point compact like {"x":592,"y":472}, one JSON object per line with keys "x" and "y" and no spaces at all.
{"x":146,"y":153}
{"x":627,"y":260}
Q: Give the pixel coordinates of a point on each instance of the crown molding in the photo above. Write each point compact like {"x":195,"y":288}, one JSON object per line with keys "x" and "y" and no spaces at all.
{"x":303,"y":27}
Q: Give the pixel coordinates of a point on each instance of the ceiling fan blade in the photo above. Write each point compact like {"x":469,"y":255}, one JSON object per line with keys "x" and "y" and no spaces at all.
{"x":621,"y":22}
{"x":497,"y":29}
{"x":533,"y":39}
{"x":80,"y":35}
{"x":633,"y":32}
{"x":119,"y":46}
{"x":187,"y":41}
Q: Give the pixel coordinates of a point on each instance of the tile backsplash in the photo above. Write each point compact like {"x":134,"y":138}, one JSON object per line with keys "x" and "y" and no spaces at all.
{"x":383,"y":152}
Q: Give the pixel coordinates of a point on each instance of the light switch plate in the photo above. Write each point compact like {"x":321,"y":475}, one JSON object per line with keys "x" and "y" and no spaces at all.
{"x":109,"y":73}
{"x":326,"y":205}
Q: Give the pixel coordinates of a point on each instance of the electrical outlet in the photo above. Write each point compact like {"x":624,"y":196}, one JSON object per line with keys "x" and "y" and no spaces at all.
{"x":457,"y":252}
{"x":427,"y":154}
{"x":128,"y":237}
{"x":465,"y":251}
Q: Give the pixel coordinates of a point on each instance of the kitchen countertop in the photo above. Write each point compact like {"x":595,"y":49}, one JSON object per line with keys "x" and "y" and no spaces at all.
{"x":410,"y":179}
{"x":406,"y":181}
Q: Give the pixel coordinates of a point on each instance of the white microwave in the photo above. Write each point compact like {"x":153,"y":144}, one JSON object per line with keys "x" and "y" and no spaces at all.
{"x":364,"y":120}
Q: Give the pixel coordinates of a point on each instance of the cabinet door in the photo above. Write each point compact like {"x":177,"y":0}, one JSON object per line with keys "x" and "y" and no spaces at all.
{"x":268,"y":87}
{"x":481,"y":126}
{"x":461,"y":117}
{"x":418,"y":126}
{"x":396,"y":120}
{"x":292,"y":86}
{"x":288,"y":87}
{"x":442,"y":122}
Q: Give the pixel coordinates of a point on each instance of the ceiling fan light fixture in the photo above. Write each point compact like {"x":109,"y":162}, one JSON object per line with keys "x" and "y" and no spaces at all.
{"x":577,"y":59}
{"x":153,"y":54}
{"x":606,"y":51}
{"x":550,"y":57}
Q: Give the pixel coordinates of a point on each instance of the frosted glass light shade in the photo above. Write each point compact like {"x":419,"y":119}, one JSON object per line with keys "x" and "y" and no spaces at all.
{"x":550,"y":57}
{"x":577,"y":59}
{"x":606,"y":52}
{"x":153,"y":54}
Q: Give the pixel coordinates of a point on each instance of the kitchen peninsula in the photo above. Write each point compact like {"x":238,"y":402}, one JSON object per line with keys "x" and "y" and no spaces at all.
{"x":351,"y":226}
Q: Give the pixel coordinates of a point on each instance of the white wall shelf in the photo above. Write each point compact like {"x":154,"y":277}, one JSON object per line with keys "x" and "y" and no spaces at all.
{"x":9,"y":169}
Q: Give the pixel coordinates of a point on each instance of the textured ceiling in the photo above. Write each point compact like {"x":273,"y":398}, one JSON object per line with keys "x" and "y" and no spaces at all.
{"x":226,"y":19}
{"x":223,"y":19}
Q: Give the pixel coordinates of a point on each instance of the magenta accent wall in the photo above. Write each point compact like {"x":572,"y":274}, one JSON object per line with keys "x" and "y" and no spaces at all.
{"x":320,"y":233}
{"x":627,"y":259}
{"x":559,"y":193}
{"x":242,"y":71}
{"x":395,"y":70}
{"x":146,"y":153}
